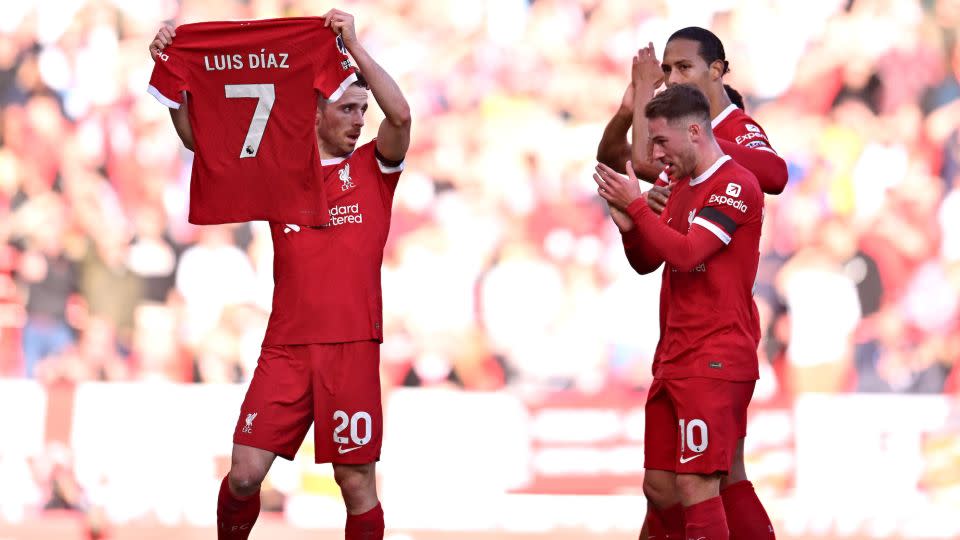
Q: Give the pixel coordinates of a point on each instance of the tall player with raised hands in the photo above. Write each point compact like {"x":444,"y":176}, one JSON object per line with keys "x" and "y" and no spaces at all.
{"x":695,"y":56}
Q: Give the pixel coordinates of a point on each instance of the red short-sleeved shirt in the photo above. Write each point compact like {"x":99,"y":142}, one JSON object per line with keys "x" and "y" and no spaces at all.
{"x":327,"y":285}
{"x":735,"y":125}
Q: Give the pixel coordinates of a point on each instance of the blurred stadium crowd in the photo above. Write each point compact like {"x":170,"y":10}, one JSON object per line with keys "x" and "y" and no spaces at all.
{"x":502,"y":269}
{"x":501,"y":266}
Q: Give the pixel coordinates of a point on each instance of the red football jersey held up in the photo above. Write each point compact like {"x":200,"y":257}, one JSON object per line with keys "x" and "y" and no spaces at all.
{"x":709,"y":322}
{"x":327,"y":285}
{"x":253,"y":88}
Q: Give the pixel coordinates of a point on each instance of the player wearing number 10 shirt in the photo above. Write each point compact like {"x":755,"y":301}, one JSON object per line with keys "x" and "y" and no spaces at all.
{"x":320,"y":358}
{"x":251,"y":86}
{"x":705,"y":365}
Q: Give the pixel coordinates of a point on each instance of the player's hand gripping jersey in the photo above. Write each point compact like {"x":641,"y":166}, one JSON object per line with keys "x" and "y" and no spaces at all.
{"x":253,"y":88}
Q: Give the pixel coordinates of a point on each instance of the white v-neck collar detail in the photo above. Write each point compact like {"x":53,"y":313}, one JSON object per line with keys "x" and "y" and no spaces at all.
{"x":723,"y":115}
{"x":709,"y":172}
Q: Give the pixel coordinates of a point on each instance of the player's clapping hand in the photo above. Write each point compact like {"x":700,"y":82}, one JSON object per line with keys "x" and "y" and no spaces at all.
{"x":163,"y":38}
{"x":618,"y":190}
{"x":646,"y":68}
{"x":342,"y":24}
{"x":622,"y":219}
{"x":657,"y":198}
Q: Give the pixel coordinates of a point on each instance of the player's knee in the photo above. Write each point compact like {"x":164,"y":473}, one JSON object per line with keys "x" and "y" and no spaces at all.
{"x":659,"y":491}
{"x":244,"y":480}
{"x":697,"y":487}
{"x":354,"y":480}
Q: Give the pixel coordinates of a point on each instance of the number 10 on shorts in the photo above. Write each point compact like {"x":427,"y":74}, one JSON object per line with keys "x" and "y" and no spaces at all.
{"x":689,"y":435}
{"x":354,"y":422}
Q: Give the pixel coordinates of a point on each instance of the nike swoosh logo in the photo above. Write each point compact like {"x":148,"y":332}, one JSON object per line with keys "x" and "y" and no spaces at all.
{"x":343,"y":450}
{"x":691,"y":458}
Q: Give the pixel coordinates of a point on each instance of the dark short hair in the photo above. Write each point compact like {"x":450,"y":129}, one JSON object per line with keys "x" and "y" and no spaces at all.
{"x":361,"y":80}
{"x":735,"y":97}
{"x":679,"y":101}
{"x":711,"y":48}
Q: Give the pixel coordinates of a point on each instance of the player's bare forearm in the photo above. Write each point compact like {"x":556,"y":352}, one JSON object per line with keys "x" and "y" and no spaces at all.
{"x":641,"y":136}
{"x":393,"y":137}
{"x":181,"y":122}
{"x":614,"y":148}
{"x":682,"y":251}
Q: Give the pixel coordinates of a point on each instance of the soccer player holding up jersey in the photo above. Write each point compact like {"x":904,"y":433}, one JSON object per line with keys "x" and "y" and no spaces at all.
{"x":696,"y":56}
{"x":705,"y":366}
{"x":320,"y":358}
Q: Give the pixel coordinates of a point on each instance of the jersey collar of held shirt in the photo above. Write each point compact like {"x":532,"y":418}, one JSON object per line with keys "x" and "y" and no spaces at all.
{"x":709,"y":172}
{"x":723,"y":115}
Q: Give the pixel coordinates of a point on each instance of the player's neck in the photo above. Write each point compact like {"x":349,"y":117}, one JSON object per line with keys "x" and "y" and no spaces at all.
{"x":707,"y":155}
{"x":325,"y":155}
{"x":328,"y":152}
{"x":719,"y":101}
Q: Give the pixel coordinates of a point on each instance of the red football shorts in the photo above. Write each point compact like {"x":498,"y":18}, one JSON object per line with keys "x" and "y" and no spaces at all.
{"x":336,"y":386}
{"x":693,"y":425}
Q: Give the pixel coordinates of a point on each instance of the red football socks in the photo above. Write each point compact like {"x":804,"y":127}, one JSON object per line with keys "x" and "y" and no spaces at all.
{"x":235,"y":515}
{"x":666,"y":524}
{"x":746,"y":517}
{"x":706,"y":520}
{"x":365,"y":526}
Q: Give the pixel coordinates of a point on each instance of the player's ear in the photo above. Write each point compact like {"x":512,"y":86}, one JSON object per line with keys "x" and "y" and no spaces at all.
{"x":694,"y":131}
{"x":717,"y":67}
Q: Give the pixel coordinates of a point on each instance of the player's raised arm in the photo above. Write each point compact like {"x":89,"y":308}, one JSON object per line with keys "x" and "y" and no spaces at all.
{"x":615,"y":150}
{"x":646,"y":75}
{"x":179,"y":116}
{"x":393,"y":137}
{"x":181,"y":122}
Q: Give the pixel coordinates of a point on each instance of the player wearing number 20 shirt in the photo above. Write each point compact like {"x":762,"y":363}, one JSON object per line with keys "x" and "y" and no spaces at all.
{"x":253,"y":87}
{"x":319,"y":364}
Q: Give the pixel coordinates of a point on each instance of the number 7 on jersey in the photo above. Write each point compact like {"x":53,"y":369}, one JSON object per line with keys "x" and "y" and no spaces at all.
{"x":265,"y":97}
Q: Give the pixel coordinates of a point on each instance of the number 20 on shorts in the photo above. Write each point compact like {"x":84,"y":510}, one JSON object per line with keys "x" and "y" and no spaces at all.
{"x":353,"y":422}
{"x":689,"y":435}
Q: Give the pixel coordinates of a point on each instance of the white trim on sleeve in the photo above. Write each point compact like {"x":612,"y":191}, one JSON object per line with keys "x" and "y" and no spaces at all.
{"x":720,"y":233}
{"x":766,"y":148}
{"x":390,"y":170}
{"x":342,"y":88}
{"x":152,"y":90}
